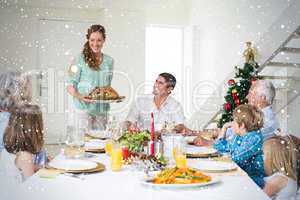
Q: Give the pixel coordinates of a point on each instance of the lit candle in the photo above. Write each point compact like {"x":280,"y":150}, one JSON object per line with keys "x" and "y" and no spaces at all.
{"x":152,"y":134}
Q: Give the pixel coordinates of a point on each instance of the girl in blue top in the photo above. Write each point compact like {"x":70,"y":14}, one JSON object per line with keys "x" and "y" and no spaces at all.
{"x":246,"y":147}
{"x":23,"y":141}
{"x":92,"y":68}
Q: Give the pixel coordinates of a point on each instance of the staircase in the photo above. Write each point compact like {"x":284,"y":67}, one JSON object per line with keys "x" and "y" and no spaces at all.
{"x":282,"y":66}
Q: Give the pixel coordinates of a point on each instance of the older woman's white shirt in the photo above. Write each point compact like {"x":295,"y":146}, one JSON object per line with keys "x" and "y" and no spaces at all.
{"x":4,"y":117}
{"x":10,"y":176}
{"x":8,"y":169}
{"x":170,"y":111}
{"x":270,"y":123}
{"x":289,"y":192}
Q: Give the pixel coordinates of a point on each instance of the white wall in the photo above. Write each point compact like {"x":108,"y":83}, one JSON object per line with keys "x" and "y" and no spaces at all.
{"x":126,"y":21}
{"x":19,"y":32}
{"x":220,"y":30}
{"x":294,"y":116}
{"x":293,"y":109}
{"x":126,"y":45}
{"x":215,"y":32}
{"x":20,"y":45}
{"x":23,"y":41}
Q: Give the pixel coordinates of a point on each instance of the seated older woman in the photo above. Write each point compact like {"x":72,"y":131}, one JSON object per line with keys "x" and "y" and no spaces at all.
{"x":14,"y":90}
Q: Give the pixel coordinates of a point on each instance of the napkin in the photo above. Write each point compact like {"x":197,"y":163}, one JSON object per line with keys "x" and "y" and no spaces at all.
{"x":48,"y":173}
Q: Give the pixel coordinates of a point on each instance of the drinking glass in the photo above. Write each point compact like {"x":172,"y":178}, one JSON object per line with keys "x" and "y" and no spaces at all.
{"x":74,"y":143}
{"x":180,"y":158}
{"x":116,"y":158}
{"x":108,"y":147}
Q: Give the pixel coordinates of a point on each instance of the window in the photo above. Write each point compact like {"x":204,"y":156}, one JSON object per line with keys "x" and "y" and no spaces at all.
{"x":164,"y":53}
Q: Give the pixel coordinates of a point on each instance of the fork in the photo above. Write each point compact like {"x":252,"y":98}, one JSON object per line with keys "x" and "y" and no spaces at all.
{"x":78,"y":176}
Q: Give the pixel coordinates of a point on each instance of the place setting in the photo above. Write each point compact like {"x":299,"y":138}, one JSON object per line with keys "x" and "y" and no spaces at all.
{"x":212,"y":166}
{"x":70,"y":167}
{"x":73,"y":161}
{"x":193,"y":151}
{"x":98,"y":131}
{"x":96,"y":134}
{"x":178,"y":173}
{"x":179,"y":178}
{"x":95,"y":146}
{"x":76,"y":166}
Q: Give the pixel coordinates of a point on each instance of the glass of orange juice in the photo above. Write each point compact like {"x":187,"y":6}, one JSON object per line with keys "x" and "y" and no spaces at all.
{"x":108,"y":147}
{"x":116,"y":158}
{"x":174,"y":152}
{"x":181,"y":161}
{"x":180,"y":158}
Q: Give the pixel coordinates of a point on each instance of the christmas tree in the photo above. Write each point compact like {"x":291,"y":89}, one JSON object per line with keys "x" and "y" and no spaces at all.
{"x":238,"y":88}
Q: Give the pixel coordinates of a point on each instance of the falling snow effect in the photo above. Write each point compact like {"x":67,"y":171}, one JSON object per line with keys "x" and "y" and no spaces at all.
{"x":31,"y":44}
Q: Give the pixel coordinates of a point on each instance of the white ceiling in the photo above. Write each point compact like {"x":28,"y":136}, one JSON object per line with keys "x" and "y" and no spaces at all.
{"x":96,"y":4}
{"x":92,"y":4}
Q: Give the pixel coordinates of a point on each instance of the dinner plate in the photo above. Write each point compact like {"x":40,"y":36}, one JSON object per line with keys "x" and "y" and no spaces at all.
{"x":95,"y":146}
{"x":212,"y":166}
{"x":73,"y":164}
{"x":149,"y":182}
{"x":98,"y":134}
{"x":200,"y":152}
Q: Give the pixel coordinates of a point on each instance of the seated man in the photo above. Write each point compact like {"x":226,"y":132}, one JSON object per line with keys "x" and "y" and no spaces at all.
{"x":164,"y":107}
{"x":261,"y":95}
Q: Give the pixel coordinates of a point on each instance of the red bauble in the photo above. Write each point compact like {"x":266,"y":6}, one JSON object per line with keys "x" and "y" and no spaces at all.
{"x":231,"y":82}
{"x":235,"y":96}
{"x":237,"y":102}
{"x":227,"y":106}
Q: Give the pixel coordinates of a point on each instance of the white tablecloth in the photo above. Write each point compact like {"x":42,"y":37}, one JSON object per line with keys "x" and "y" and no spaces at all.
{"x":126,"y":184}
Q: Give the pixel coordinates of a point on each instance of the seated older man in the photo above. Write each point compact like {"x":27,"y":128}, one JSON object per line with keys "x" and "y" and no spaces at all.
{"x":261,"y":95}
{"x":164,"y":107}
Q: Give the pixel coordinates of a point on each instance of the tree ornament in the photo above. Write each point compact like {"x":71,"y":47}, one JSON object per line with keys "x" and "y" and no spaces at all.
{"x":234,"y":96}
{"x":237,"y":102}
{"x":249,"y":53}
{"x":231,"y":82}
{"x":233,"y":91}
{"x":227,"y":106}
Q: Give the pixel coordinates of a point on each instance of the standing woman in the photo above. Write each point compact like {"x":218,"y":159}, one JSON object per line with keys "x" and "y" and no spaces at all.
{"x":92,"y":68}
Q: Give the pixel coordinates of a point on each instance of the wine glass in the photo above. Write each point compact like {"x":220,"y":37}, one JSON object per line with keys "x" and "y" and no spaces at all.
{"x":74,"y":143}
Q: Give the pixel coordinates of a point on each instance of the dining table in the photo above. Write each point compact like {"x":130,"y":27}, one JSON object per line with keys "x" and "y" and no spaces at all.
{"x":129,"y":183}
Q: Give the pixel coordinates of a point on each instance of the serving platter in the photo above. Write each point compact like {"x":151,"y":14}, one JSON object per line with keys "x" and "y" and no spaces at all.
{"x":149,"y":182}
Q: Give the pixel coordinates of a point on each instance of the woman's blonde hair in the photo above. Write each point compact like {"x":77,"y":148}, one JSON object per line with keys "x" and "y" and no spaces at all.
{"x":250,"y":116}
{"x":25,"y":131}
{"x":280,"y":156}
